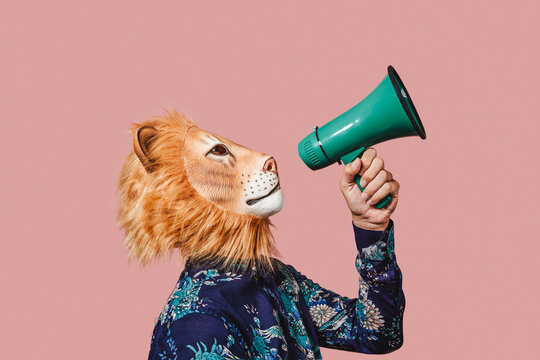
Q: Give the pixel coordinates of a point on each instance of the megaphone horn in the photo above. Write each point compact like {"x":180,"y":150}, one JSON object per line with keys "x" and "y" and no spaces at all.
{"x":388,"y":112}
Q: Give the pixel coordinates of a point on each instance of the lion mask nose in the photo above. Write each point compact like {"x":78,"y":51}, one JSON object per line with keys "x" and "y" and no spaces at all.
{"x":270,"y":165}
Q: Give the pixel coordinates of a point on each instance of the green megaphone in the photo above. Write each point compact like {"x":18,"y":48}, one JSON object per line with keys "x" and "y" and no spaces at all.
{"x":387,"y":113}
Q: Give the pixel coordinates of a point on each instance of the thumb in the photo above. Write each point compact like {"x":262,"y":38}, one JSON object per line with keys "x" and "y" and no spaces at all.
{"x":350,"y":172}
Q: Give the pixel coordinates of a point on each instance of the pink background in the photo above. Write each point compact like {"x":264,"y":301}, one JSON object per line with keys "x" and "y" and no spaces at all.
{"x":74,"y":76}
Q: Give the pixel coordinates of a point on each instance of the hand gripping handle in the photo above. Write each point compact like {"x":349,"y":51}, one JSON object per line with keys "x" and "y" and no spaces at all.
{"x":350,"y":158}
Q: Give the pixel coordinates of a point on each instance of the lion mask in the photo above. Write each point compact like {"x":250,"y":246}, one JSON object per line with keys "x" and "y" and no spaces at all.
{"x":188,"y":189}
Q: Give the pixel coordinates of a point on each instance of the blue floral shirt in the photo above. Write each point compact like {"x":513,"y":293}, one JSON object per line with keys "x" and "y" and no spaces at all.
{"x":213,"y":314}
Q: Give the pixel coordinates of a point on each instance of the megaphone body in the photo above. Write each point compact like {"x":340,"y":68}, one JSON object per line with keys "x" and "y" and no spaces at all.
{"x":386,"y":113}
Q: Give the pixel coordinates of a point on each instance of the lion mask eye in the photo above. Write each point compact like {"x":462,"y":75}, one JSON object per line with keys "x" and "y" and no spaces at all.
{"x":219,"y":150}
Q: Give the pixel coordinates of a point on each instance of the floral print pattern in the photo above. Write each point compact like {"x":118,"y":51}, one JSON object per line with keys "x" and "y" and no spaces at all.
{"x":321,"y":313}
{"x":213,"y":315}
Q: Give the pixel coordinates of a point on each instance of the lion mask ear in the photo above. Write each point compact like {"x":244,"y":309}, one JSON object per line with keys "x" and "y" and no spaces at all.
{"x":141,"y":144}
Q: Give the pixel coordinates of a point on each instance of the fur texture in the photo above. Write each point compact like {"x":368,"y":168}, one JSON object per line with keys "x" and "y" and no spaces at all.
{"x":161,"y":211}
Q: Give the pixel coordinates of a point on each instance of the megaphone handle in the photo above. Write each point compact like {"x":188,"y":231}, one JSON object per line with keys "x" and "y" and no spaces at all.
{"x":382,"y":203}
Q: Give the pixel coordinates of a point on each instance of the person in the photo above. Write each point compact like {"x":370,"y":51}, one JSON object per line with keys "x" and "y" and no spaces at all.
{"x":212,"y":314}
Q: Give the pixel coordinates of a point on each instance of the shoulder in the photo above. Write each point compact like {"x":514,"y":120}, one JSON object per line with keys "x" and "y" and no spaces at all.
{"x":293,"y":281}
{"x":289,"y":272}
{"x":194,"y":293}
{"x":195,"y":320}
{"x":198,"y":334}
{"x":296,"y":283}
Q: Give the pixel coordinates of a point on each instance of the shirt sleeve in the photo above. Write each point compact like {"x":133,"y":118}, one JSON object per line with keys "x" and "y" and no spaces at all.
{"x":373,"y":322}
{"x":198,"y":336}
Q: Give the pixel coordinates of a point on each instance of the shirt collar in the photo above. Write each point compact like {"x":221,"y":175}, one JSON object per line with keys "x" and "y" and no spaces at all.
{"x":217,"y":263}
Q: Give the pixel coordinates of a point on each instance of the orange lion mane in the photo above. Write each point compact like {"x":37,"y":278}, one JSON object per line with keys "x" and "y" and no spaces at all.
{"x":160,"y":211}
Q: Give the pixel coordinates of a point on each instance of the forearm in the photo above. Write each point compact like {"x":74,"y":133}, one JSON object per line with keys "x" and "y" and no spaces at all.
{"x":371,"y":323}
{"x":381,"y":301}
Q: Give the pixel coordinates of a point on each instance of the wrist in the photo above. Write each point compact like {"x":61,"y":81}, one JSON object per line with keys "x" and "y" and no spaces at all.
{"x":366,"y":225}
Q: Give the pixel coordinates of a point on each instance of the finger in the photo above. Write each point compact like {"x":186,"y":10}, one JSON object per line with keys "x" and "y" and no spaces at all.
{"x":350,"y":171}
{"x":393,"y":203}
{"x":367,"y":158}
{"x":390,"y":187}
{"x":375,"y":184}
{"x":376,"y":165}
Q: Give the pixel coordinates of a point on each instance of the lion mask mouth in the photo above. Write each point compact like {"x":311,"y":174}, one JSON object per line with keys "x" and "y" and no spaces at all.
{"x":254,"y":201}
